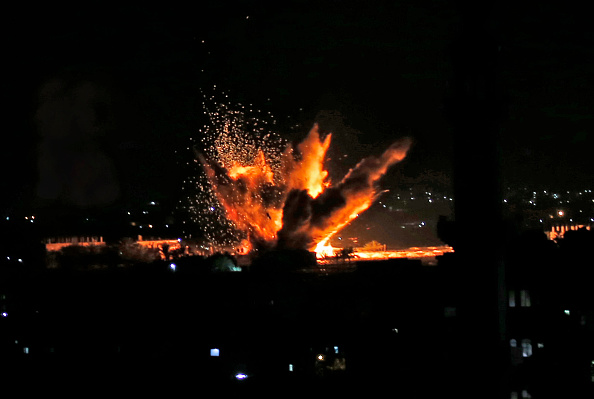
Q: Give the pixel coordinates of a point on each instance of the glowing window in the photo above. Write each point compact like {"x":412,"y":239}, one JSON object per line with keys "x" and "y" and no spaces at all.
{"x":526,"y":348}
{"x":512,"y":298}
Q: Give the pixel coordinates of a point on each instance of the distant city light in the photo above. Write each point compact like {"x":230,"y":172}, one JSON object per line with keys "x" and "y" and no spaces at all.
{"x":4,"y":314}
{"x":567,"y":312}
{"x":215,"y":352}
{"x":172,"y":266}
{"x":320,"y":357}
{"x":336,"y":349}
{"x":240,"y":376}
{"x":560,"y":213}
{"x":291,"y":367}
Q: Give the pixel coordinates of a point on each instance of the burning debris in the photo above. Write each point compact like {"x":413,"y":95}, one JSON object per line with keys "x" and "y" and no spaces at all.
{"x":284,"y":199}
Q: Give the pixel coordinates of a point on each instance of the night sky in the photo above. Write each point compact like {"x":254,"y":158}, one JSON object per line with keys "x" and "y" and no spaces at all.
{"x":97,"y":100}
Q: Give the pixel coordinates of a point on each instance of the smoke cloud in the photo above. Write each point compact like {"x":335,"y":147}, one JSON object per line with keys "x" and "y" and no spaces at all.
{"x":73,"y":168}
{"x":308,"y":221}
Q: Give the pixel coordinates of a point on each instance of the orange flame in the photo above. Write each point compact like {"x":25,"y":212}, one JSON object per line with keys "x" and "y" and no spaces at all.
{"x":308,"y":173}
{"x":294,"y":205}
{"x":256,"y":174}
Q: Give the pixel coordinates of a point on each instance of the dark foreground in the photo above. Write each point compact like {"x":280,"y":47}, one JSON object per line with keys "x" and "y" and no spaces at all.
{"x":379,"y":327}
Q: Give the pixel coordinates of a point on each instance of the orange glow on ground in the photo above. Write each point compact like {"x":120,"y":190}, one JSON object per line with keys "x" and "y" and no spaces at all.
{"x":414,"y":252}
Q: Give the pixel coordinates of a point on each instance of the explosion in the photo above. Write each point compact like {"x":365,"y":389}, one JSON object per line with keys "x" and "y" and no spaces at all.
{"x":282,"y":197}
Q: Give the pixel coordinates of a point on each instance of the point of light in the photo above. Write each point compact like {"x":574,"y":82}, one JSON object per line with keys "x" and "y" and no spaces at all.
{"x":567,"y":312}
{"x":320,"y":357}
{"x":4,"y":314}
{"x":215,"y":352}
{"x":560,"y":213}
{"x":241,"y":376}
{"x":172,"y":266}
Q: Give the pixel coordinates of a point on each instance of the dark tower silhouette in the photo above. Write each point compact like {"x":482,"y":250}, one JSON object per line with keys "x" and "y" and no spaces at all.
{"x":475,"y":109}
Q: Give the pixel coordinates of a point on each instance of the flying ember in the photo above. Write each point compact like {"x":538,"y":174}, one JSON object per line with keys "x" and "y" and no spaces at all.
{"x":282,"y":197}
